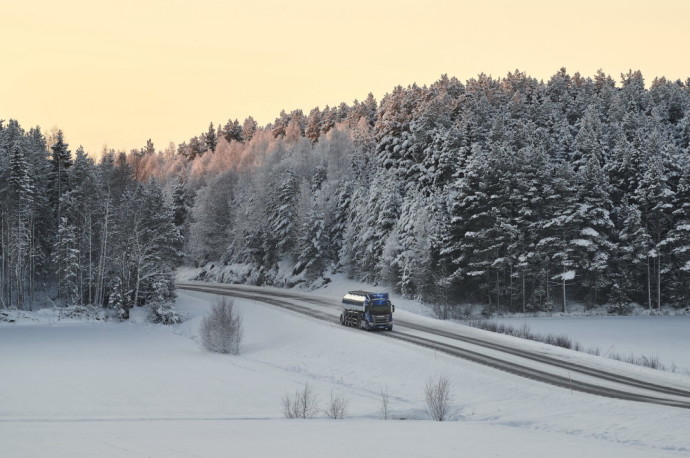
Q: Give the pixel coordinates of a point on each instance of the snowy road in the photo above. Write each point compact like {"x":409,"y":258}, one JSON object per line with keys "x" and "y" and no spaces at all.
{"x":561,"y":368}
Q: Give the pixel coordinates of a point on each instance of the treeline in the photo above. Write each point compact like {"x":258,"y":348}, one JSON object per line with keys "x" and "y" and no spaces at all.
{"x":512,"y":192}
{"x":76,"y":232}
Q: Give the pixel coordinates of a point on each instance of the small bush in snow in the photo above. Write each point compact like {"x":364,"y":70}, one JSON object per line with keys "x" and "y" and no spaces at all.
{"x":304,"y":404}
{"x":558,"y":341}
{"x":12,"y":315}
{"x":522,"y":332}
{"x":652,"y":362}
{"x":80,"y":312}
{"x":221,"y":331}
{"x":163,"y":313}
{"x":337,"y":407}
{"x":620,"y":309}
{"x":439,"y":399}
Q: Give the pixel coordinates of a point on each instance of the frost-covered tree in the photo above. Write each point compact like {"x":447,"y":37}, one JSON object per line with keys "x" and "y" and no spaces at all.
{"x":656,"y":197}
{"x":282,"y":215}
{"x":629,"y":269}
{"x":595,"y":239}
{"x":67,"y":258}
{"x":209,"y":234}
{"x":513,"y":192}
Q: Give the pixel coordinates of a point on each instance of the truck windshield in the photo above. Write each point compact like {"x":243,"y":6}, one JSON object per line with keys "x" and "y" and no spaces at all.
{"x":380,"y":307}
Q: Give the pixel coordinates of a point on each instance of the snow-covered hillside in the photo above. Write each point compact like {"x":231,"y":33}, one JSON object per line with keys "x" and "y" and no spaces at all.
{"x":135,"y":389}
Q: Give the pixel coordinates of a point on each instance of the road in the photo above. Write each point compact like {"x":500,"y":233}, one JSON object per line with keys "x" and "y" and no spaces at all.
{"x":460,"y":342}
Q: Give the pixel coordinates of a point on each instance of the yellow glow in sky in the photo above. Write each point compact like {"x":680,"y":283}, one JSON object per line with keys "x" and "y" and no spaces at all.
{"x":116,"y":73}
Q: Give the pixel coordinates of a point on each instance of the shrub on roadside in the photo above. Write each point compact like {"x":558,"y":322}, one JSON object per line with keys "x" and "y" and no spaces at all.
{"x":163,"y":313}
{"x":221,"y":331}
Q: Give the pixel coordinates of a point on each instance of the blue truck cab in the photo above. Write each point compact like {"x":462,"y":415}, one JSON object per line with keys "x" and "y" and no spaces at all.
{"x":367,"y":310}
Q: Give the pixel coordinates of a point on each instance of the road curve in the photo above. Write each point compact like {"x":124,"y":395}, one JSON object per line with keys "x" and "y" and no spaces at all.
{"x":516,"y":361}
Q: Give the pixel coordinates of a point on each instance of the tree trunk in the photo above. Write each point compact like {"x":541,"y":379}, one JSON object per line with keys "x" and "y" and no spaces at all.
{"x":524,"y":294}
{"x":498,"y":290}
{"x":510,"y":289}
{"x":564,"y":302}
{"x":32,"y":261}
{"x":649,"y":286}
{"x":90,"y":238}
{"x":658,"y":283}
{"x":546,"y":282}
{"x":100,"y":287}
{"x":3,"y":272}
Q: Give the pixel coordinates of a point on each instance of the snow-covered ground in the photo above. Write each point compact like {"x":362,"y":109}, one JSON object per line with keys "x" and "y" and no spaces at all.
{"x":662,"y":337}
{"x":89,"y":389}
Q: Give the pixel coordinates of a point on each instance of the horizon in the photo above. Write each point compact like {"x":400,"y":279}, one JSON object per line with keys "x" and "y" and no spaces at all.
{"x":115,"y":76}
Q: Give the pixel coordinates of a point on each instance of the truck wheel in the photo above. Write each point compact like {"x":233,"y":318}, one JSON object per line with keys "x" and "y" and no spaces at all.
{"x":342,"y":320}
{"x":390,"y":328}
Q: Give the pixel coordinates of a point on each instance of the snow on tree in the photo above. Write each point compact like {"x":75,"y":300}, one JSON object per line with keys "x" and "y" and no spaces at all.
{"x":594,"y":242}
{"x":249,"y":127}
{"x":630,"y":260}
{"x":209,"y":234}
{"x":66,"y":256}
{"x":656,"y":197}
{"x":560,"y":232}
{"x":282,"y":214}
{"x":512,"y":192}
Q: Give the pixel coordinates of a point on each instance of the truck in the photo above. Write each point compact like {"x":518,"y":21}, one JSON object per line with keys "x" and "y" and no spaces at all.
{"x":367,"y":310}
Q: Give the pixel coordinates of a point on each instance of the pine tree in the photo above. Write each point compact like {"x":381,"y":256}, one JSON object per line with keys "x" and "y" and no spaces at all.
{"x":249,"y":128}
{"x":181,"y":204}
{"x":21,"y":196}
{"x":154,"y":250}
{"x":630,"y":260}
{"x":210,"y":139}
{"x":81,"y":208}
{"x":59,"y":186}
{"x":594,"y":241}
{"x":282,"y":214}
{"x":209,"y":234}
{"x":313,"y":127}
{"x":588,"y":141}
{"x":61,"y":161}
{"x":655,"y":198}
{"x":232,"y":131}
{"x":558,"y":234}
{"x":66,"y":256}
{"x":677,"y":243}
{"x":312,"y":242}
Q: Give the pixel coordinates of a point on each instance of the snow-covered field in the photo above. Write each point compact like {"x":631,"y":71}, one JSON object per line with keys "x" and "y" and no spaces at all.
{"x":662,"y":337}
{"x":85,"y":389}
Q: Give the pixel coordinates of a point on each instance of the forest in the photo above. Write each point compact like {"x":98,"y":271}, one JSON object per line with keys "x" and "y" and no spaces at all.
{"x":513,"y":193}
{"x":79,"y":233}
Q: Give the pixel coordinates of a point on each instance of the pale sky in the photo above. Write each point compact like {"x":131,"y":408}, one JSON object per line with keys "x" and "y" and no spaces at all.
{"x":119,"y":72}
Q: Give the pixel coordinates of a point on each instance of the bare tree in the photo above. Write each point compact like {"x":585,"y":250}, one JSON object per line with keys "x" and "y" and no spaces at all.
{"x":384,"y":409}
{"x":439,"y":399}
{"x":304,"y":403}
{"x":337,"y":407}
{"x":222,"y":331}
